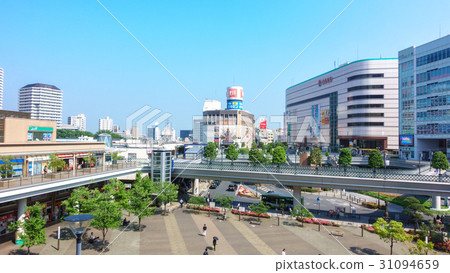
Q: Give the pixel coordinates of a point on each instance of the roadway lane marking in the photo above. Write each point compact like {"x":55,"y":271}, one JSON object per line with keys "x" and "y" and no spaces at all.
{"x":177,"y":243}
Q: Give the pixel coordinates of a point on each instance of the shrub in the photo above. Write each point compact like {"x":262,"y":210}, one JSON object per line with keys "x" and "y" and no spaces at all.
{"x":372,"y":205}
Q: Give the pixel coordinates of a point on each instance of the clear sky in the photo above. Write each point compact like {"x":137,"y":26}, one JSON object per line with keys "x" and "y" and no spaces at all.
{"x":207,"y":45}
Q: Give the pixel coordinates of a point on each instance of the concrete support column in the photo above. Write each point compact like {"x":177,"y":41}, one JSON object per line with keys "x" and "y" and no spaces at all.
{"x":436,"y":202}
{"x":104,"y":162}
{"x":196,"y":187}
{"x":21,"y":204}
{"x":297,"y":195}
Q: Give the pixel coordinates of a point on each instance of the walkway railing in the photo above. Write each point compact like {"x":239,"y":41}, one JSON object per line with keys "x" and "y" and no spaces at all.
{"x":321,"y":171}
{"x":51,"y":177}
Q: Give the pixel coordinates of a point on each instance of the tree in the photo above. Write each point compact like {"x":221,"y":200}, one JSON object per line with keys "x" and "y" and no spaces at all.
{"x":327,"y":153}
{"x":67,"y":133}
{"x":391,"y":232}
{"x":224,"y":200}
{"x":232,"y":154}
{"x":55,"y":163}
{"x":115,"y":157}
{"x":140,"y":200}
{"x":197,"y":200}
{"x":421,"y":248}
{"x":255,"y":155}
{"x":413,"y":208}
{"x":315,"y":157}
{"x":90,"y":159}
{"x":375,"y":160}
{"x":302,"y":212}
{"x":166,"y":192}
{"x":210,"y":151}
{"x":81,"y":201}
{"x":279,"y":155}
{"x":345,"y":158}
{"x":113,"y":135}
{"x":31,"y":229}
{"x":439,"y":161}
{"x":243,"y":151}
{"x":107,"y":214}
{"x":259,"y":208}
{"x":116,"y":189}
{"x":6,"y":167}
{"x":242,"y":144}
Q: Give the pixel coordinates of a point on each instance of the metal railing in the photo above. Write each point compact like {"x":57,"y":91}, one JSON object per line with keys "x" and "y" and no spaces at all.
{"x":389,"y":174}
{"x":14,"y":182}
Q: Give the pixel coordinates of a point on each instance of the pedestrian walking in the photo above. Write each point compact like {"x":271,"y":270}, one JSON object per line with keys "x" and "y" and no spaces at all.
{"x":215,"y":239}
{"x":204,"y":230}
{"x":205,"y":252}
{"x":283,"y":252}
{"x":181,"y":202}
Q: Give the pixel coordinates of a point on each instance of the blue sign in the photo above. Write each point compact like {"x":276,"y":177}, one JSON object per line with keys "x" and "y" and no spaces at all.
{"x":318,"y":200}
{"x":234,"y":104}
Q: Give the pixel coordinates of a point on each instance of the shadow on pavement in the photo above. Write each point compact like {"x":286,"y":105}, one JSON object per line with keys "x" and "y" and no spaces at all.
{"x":21,"y":252}
{"x":66,"y":234}
{"x":363,"y":251}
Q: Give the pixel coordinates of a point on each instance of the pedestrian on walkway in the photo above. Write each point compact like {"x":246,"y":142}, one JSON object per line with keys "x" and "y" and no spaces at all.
{"x":181,"y":202}
{"x":205,"y":252}
{"x":215,"y":239}
{"x":283,"y":252}
{"x":204,"y":229}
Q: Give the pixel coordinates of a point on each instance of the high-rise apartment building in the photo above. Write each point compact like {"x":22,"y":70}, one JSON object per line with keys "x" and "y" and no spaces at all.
{"x":1,"y":88}
{"x":78,"y":121}
{"x":105,"y":124}
{"x":424,"y":99}
{"x":42,"y":101}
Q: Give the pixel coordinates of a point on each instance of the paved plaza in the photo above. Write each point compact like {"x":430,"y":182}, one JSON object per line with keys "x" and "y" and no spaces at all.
{"x":179,"y":233}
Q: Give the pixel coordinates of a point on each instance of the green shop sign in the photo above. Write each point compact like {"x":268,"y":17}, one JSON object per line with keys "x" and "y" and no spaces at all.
{"x":40,"y":129}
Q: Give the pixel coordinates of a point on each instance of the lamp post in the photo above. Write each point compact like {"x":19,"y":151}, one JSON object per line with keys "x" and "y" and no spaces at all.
{"x":78,"y":224}
{"x":296,"y":152}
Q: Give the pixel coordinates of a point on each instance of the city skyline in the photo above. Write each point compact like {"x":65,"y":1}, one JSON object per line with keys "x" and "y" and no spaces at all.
{"x":104,"y":71}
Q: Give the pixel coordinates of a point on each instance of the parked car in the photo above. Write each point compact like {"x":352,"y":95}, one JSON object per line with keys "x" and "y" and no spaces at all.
{"x":232,"y":187}
{"x":213,"y":185}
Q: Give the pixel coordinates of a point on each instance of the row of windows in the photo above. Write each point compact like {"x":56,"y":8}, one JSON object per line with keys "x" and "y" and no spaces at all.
{"x":436,"y":87}
{"x":365,"y":76}
{"x":433,"y":57}
{"x":407,"y":93}
{"x":433,"y":101}
{"x":360,"y":106}
{"x":433,"y":129}
{"x":433,"y":115}
{"x":407,"y":105}
{"x":361,"y":87}
{"x":362,"y":97}
{"x":406,"y":65}
{"x":365,"y":124}
{"x":433,"y":74}
{"x":365,"y":115}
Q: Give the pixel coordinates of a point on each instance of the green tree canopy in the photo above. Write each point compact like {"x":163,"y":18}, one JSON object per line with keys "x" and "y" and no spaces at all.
{"x":232,"y":154}
{"x":345,"y":157}
{"x":117,"y":190}
{"x":113,"y":135}
{"x":31,"y":229}
{"x":140,"y":201}
{"x":439,"y":161}
{"x":391,"y":232}
{"x":197,"y":200}
{"x":302,"y":212}
{"x":421,"y":248}
{"x":259,"y":208}
{"x":166,"y":192}
{"x":66,"y":133}
{"x":413,"y":207}
{"x":81,"y":201}
{"x":55,"y":163}
{"x":243,"y":151}
{"x":315,"y":157}
{"x":210,"y":151}
{"x":6,"y":167}
{"x":116,"y":157}
{"x":224,"y":200}
{"x":375,"y":159}
{"x":279,"y":155}
{"x":107,"y":214}
{"x":254,"y":155}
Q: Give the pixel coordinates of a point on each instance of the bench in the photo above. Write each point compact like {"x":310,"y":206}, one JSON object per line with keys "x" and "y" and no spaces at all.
{"x":337,"y":233}
{"x":255,"y":222}
{"x":222,"y":217}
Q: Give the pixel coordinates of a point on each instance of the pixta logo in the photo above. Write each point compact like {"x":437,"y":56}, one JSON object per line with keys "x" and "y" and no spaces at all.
{"x":145,"y":118}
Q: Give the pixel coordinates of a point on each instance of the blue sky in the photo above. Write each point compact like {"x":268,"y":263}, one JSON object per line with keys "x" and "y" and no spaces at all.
{"x":207,"y":45}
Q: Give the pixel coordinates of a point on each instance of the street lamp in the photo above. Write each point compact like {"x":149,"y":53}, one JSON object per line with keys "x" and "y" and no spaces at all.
{"x":296,"y":152}
{"x":78,"y":223}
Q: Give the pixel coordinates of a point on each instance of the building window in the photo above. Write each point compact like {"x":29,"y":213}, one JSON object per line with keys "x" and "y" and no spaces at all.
{"x":365,"y":124}
{"x":362,"y":87}
{"x":362,"y":97}
{"x":433,"y":57}
{"x":365,"y":76}
{"x":359,"y":106}
{"x":433,"y":74}
{"x":365,"y":115}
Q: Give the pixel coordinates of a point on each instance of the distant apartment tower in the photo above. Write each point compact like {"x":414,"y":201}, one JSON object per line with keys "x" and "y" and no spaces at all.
{"x":42,"y":101}
{"x":105,"y":124}
{"x":78,"y":121}
{"x":116,"y":129}
{"x":1,"y":88}
{"x":424,"y":101}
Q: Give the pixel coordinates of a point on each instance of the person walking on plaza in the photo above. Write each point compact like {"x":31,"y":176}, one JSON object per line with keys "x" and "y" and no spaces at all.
{"x":204,"y":230}
{"x":215,"y":239}
{"x":205,"y":252}
{"x":181,"y":202}
{"x":283,"y":252}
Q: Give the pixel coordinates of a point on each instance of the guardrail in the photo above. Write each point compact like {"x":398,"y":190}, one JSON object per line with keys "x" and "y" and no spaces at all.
{"x":14,"y":182}
{"x":320,"y":171}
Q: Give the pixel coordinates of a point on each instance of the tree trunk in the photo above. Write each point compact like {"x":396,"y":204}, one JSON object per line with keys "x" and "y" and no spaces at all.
{"x":392,"y":244}
{"x":103,"y":240}
{"x":139,"y":225}
{"x":28,"y":252}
